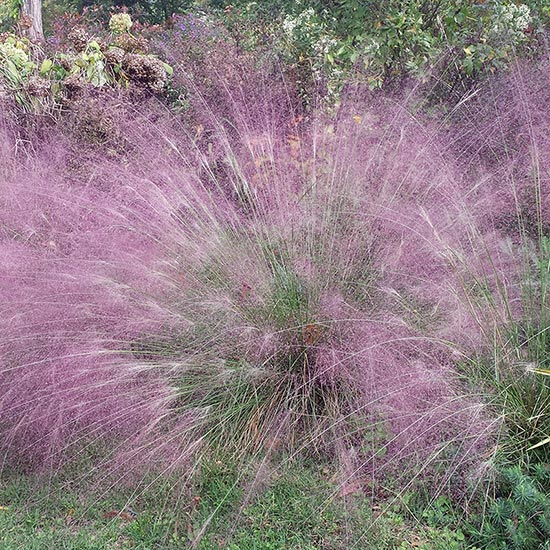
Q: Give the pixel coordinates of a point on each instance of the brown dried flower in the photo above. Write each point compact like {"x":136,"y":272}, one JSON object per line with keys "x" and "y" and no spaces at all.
{"x":78,"y":38}
{"x":37,"y":87}
{"x":145,"y":70}
{"x":132,"y":44}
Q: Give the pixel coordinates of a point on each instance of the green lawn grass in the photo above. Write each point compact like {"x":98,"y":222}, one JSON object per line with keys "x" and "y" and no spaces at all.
{"x":295,"y":505}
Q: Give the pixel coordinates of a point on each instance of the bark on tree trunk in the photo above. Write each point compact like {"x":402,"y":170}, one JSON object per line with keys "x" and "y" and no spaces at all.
{"x":31,"y":19}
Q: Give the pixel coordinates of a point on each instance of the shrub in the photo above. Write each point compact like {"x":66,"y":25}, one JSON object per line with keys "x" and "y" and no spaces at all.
{"x":449,"y":44}
{"x":18,"y":71}
{"x":43,"y":84}
{"x":520,"y":516}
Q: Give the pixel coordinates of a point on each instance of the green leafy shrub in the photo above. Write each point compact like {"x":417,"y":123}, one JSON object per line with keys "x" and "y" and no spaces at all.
{"x":9,"y":11}
{"x":15,"y":59}
{"x":450,"y":42}
{"x":519,"y":517}
{"x":21,"y":77}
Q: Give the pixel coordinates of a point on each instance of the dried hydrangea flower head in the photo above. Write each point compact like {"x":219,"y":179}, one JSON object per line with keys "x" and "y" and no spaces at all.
{"x":131,"y":43}
{"x":146,"y":70}
{"x":120,"y":23}
{"x":78,"y":38}
{"x":38,"y":87}
{"x":114,"y":55}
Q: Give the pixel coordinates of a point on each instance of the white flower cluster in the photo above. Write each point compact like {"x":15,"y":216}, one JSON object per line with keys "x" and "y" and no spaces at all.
{"x":371,"y":47}
{"x":309,"y":38}
{"x":300,"y":22}
{"x":511,"y":20}
{"x":324,"y":45}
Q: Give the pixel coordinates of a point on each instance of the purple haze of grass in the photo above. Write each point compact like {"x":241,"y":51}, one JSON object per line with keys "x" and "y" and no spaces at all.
{"x":506,"y":135}
{"x":322,"y":257}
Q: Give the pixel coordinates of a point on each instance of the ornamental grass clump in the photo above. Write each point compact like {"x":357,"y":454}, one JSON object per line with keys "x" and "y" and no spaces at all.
{"x":507,"y":139}
{"x":256,"y":283}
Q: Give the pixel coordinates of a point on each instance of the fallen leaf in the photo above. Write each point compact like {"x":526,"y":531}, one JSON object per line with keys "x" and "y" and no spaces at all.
{"x":118,"y":514}
{"x":195,"y":501}
{"x":69,"y":517}
{"x":312,"y":333}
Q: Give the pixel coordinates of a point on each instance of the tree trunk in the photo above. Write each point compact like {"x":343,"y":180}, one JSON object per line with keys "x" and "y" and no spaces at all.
{"x":31,"y":19}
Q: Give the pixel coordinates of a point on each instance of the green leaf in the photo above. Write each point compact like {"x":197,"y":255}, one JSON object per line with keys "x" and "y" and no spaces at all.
{"x":468,"y":65}
{"x":46,"y":66}
{"x":341,"y":50}
{"x":168,"y":68}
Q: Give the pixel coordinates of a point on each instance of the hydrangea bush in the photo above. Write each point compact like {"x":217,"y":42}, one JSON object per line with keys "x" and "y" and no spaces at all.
{"x":42,"y":83}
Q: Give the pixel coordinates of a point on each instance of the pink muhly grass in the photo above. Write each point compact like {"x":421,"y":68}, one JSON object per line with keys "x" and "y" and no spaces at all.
{"x":272,"y":283}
